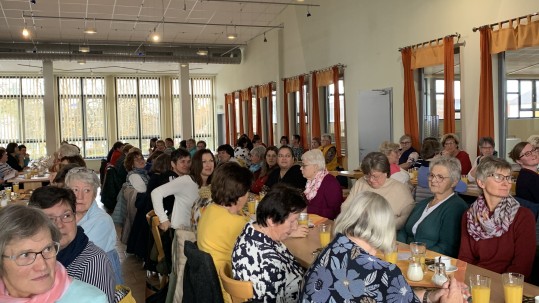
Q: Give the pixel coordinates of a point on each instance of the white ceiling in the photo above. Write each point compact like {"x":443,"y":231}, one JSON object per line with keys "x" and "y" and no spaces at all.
{"x":178,"y":22}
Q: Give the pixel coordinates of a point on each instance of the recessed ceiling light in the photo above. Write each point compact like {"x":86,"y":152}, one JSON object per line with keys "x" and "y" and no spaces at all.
{"x":155,"y":37}
{"x":81,"y":61}
{"x":84,"y":49}
{"x":183,"y":65}
{"x":202,"y":52}
{"x":25,"y":32}
{"x":232,"y":36}
{"x":90,"y":30}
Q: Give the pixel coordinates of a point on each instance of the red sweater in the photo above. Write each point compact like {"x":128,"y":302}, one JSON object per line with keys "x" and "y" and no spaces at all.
{"x":513,"y":251}
{"x":465,"y":163}
{"x":328,"y":199}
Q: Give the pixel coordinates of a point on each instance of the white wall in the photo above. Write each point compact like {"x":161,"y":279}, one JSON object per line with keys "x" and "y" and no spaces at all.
{"x":365,"y":36}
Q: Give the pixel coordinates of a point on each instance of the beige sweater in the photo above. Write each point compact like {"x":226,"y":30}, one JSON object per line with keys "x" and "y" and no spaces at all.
{"x":396,"y":193}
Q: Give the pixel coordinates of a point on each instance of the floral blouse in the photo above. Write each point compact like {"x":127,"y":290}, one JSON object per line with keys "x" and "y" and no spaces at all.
{"x":344,"y":272}
{"x":268,"y":264}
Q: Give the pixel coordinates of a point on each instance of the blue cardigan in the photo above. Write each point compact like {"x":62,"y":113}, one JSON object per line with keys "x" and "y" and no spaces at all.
{"x":440,"y":230}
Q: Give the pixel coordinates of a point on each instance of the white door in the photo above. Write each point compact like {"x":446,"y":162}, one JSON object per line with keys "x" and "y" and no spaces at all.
{"x":375,"y":119}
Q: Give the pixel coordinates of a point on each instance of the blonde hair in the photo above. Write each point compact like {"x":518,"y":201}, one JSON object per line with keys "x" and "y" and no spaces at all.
{"x":387,"y":147}
{"x":368,"y":216}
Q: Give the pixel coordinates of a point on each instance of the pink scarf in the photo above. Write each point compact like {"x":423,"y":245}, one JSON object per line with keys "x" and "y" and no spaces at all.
{"x":61,"y":283}
{"x":482,"y":226}
{"x":313,"y":185}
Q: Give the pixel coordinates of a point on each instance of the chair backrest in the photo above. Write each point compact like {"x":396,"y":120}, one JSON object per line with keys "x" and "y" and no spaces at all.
{"x":534,"y":207}
{"x":200,"y":280}
{"x":153,"y":221}
{"x":239,"y":291}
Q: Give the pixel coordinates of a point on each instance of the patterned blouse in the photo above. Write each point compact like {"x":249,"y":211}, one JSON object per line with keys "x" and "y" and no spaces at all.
{"x":344,"y":272}
{"x":268,"y":264}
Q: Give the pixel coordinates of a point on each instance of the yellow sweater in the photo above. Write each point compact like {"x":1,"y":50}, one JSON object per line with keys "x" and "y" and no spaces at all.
{"x":217,"y":233}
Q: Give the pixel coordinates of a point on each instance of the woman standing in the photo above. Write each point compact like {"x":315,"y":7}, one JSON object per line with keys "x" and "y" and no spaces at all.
{"x":436,"y":220}
{"x":323,"y":191}
{"x":527,"y":156}
{"x":497,"y":233}
{"x":450,"y":143}
{"x":288,"y":172}
{"x":202,"y":169}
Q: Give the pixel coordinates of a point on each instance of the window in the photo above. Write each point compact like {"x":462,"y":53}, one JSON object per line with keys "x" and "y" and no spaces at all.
{"x":82,"y":114}
{"x":522,"y":98}
{"x":21,"y":100}
{"x":435,"y":100}
{"x":138,"y":110}
{"x":306,"y":109}
{"x":328,"y":109}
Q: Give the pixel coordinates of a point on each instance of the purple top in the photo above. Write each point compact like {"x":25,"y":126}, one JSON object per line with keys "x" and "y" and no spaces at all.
{"x":328,"y":199}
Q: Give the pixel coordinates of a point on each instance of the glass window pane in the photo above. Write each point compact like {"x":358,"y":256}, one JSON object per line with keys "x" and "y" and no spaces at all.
{"x":512,"y":86}
{"x":526,"y":94}
{"x":439,"y":84}
{"x":512,"y":105}
{"x":9,"y":120}
{"x":526,"y":114}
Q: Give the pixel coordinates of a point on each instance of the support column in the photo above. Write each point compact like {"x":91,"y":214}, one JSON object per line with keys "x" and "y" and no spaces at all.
{"x":186,"y":104}
{"x":52,"y":132}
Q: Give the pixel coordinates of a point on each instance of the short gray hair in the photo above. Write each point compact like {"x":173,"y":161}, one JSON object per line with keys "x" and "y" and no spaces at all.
{"x":258,"y":151}
{"x":368,"y":216}
{"x":452,"y":164}
{"x":387,"y":147}
{"x":489,"y":165}
{"x":534,"y":140}
{"x":68,"y":150}
{"x":375,"y":161}
{"x":85,"y":175}
{"x":314,"y":157}
{"x":327,"y":136}
{"x":18,"y":222}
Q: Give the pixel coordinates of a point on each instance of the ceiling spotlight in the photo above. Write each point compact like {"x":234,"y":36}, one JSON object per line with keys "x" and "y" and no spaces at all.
{"x":90,"y":30}
{"x":81,"y":61}
{"x":25,"y":32}
{"x":202,"y":52}
{"x":155,"y":37}
{"x":265,"y":40}
{"x":183,"y":65}
{"x":84,"y":49}
{"x":232,"y":36}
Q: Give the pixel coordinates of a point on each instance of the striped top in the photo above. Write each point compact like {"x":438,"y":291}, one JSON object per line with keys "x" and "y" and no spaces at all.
{"x":93,"y":267}
{"x":6,"y":171}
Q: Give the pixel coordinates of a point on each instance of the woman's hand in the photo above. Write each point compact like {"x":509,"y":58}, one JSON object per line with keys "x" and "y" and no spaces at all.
{"x":300,"y":232}
{"x":164,"y":226}
{"x":451,"y":292}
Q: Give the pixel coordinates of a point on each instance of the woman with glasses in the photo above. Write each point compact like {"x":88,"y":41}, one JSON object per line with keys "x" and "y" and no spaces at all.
{"x":323,"y":191}
{"x":391,"y":150}
{"x":486,"y":148}
{"x":408,"y":154}
{"x":82,"y":259}
{"x":436,"y":220}
{"x":288,"y":172}
{"x":496,"y":232}
{"x":29,"y":243}
{"x":450,"y":144}
{"x":97,"y":224}
{"x":527,"y":156}
{"x":375,"y":166}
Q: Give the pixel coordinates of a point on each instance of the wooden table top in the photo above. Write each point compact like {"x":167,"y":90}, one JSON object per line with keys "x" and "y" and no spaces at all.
{"x":22,"y":179}
{"x":303,"y":248}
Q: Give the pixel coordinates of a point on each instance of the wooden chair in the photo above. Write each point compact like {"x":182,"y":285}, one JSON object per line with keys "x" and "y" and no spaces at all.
{"x":239,"y":291}
{"x":153,"y":221}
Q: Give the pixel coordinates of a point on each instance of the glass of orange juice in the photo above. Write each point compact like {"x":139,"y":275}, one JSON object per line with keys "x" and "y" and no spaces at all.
{"x":392,"y":256}
{"x":16,"y":187}
{"x":513,"y":287}
{"x":325,"y":236}
{"x":480,"y":289}
{"x":303,"y":219}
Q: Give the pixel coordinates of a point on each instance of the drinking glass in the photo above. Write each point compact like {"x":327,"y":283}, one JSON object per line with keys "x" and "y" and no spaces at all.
{"x":303,"y":219}
{"x":513,"y":287}
{"x":8,"y":192}
{"x":419,"y":250}
{"x":392,"y":256}
{"x":480,"y":289}
{"x":325,"y":236}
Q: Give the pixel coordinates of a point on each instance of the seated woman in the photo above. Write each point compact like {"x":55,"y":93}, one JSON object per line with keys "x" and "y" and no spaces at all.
{"x":269,"y":165}
{"x":257,"y":160}
{"x":323,"y":191}
{"x":24,"y":155}
{"x":436,"y":220}
{"x":82,"y":259}
{"x":6,"y":171}
{"x":375,"y":166}
{"x":497,"y":233}
{"x":391,"y":150}
{"x":527,"y":156}
{"x":260,"y":256}
{"x":97,"y":224}
{"x":486,"y":148}
{"x":13,"y":156}
{"x":230,"y":191}
{"x":450,"y":143}
{"x":241,"y":152}
{"x":408,"y":155}
{"x":21,"y":241}
{"x":77,"y":159}
{"x":288,"y":172}
{"x":348,"y":269}
{"x":137,"y":177}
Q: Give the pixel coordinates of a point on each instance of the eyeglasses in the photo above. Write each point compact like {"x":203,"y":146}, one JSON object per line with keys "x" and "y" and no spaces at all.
{"x":529,"y":153}
{"x":65,"y":218}
{"x":26,"y":258}
{"x":303,"y":165}
{"x":437,"y":178}
{"x":406,"y":142}
{"x":499,"y":178}
{"x":449,"y":143}
{"x":486,"y":147}
{"x":371,"y":177}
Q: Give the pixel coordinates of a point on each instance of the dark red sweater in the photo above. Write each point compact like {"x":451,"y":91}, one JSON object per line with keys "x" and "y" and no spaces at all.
{"x":513,"y":251}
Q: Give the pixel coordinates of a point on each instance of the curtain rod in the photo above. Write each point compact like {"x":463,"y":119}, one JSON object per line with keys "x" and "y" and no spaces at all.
{"x":429,"y":42}
{"x":253,"y":86}
{"x":475,"y":29}
{"x":328,"y":68}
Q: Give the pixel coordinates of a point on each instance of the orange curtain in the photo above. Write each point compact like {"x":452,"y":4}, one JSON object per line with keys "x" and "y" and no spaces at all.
{"x":286,"y":126}
{"x":250,"y":112}
{"x":486,"y":101}
{"x":325,"y":77}
{"x":337,"y":110}
{"x":302,"y":115}
{"x":227,"y":120}
{"x":449,"y":85}
{"x":258,"y":112}
{"x":410,"y":108}
{"x":528,"y":34}
{"x":315,"y":116}
{"x":427,"y":55}
{"x":503,"y":39}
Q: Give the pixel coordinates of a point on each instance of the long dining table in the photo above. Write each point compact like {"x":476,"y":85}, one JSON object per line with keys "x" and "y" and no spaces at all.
{"x":306,"y":250}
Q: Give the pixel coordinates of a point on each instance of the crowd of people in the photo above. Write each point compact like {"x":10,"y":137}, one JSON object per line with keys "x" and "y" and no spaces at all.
{"x":192,"y":189}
